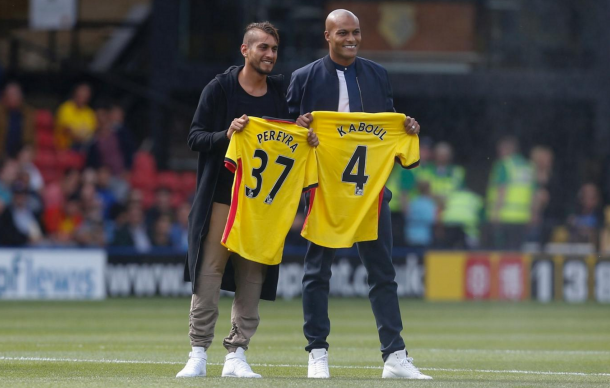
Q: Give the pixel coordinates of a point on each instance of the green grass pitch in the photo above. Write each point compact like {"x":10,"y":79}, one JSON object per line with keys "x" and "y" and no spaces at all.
{"x":144,"y":343}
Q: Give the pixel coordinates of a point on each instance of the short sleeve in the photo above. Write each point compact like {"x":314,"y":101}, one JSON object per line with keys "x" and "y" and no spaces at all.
{"x":233,"y":155}
{"x":311,"y":171}
{"x":407,"y":152}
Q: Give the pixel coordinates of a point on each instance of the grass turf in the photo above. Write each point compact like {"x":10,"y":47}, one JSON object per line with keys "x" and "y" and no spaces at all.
{"x":144,"y":343}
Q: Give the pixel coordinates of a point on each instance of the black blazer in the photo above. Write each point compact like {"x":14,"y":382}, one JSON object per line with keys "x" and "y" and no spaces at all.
{"x":208,"y":136}
{"x":315,"y":87}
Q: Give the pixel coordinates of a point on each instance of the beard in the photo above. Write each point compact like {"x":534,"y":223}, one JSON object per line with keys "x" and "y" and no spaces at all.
{"x":257,"y":67}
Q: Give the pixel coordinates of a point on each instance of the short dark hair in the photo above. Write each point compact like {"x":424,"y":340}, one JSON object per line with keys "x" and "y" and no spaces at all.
{"x":263,"y":26}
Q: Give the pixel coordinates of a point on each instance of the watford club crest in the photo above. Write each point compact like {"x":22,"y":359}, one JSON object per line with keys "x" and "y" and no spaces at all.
{"x":397,"y":23}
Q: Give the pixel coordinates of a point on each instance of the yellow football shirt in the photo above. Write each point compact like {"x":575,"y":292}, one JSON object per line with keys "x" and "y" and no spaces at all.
{"x":273,"y":164}
{"x":355,"y":157}
{"x":82,"y":123}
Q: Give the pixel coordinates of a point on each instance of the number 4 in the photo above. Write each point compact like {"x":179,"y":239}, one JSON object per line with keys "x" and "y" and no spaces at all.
{"x":360,"y":178}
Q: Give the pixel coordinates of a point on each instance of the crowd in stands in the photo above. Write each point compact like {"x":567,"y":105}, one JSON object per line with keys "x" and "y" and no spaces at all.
{"x":438,"y":210}
{"x":77,"y":178}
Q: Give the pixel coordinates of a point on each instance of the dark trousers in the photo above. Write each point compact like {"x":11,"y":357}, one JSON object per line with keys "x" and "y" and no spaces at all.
{"x":377,"y":259}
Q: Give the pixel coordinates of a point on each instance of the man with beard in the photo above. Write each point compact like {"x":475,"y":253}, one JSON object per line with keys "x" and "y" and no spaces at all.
{"x":344,"y":82}
{"x":224,"y":107}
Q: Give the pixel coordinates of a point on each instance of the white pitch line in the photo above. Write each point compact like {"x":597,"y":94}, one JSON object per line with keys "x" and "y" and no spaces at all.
{"x":512,"y":371}
{"x":493,"y":351}
{"x":524,"y":351}
{"x":105,"y":361}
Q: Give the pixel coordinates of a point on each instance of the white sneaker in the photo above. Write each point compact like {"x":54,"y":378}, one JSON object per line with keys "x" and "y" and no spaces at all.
{"x":399,"y":366}
{"x":318,"y":364}
{"x":237,"y":366}
{"x":196,"y":365}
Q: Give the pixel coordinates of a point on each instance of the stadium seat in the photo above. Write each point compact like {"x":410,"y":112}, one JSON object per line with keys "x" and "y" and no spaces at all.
{"x":46,"y":159}
{"x":44,"y":121}
{"x":50,"y":175}
{"x":52,"y":196}
{"x":148,"y":198}
{"x":169,"y":180}
{"x":45,"y":141}
{"x":188,"y":182}
{"x":143,"y":179}
{"x":177,"y":199}
{"x":144,"y":162}
{"x":70,"y":159}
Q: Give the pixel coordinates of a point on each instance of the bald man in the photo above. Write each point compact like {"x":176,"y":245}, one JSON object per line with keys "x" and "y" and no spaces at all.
{"x":344,"y":82}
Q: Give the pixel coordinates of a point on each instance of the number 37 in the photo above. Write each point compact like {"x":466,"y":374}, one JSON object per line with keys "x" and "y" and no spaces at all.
{"x":257,"y":173}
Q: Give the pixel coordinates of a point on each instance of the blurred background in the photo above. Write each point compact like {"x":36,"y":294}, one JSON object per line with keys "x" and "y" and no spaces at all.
{"x":513,"y":97}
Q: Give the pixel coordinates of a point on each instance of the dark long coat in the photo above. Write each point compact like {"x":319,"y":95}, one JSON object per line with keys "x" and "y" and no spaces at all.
{"x":208,"y":136}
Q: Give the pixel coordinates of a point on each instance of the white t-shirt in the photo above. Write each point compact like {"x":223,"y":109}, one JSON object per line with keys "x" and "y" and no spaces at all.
{"x":343,"y":96}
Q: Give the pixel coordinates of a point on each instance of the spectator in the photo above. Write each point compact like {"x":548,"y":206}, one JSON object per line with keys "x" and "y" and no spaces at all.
{"x":71,"y":182}
{"x":89,"y":176}
{"x":89,"y":197}
{"x":34,"y":199}
{"x":162,"y":205}
{"x":105,"y":149}
{"x":136,"y":197}
{"x":409,"y":178}
{"x":18,"y":223}
{"x":8,"y":174}
{"x":585,"y":222}
{"x":460,"y":218}
{"x":541,"y":159}
{"x":604,"y":243}
{"x":510,"y":196}
{"x":92,"y":231}
{"x":70,"y":219}
{"x":420,"y":217}
{"x":402,"y":183}
{"x":179,"y":231}
{"x":161,"y":234}
{"x":76,"y":121}
{"x":116,"y":115}
{"x":105,"y":191}
{"x":114,"y":187}
{"x":396,"y":209}
{"x":118,"y":219}
{"x":16,"y":122}
{"x":25,"y":159}
{"x":133,"y":232}
{"x":446,"y":177}
{"x":55,"y":196}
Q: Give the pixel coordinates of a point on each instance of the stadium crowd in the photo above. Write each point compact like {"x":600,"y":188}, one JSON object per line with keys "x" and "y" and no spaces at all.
{"x":77,"y":178}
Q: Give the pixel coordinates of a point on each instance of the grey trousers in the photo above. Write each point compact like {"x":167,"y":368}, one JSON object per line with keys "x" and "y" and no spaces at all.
{"x":249,"y":278}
